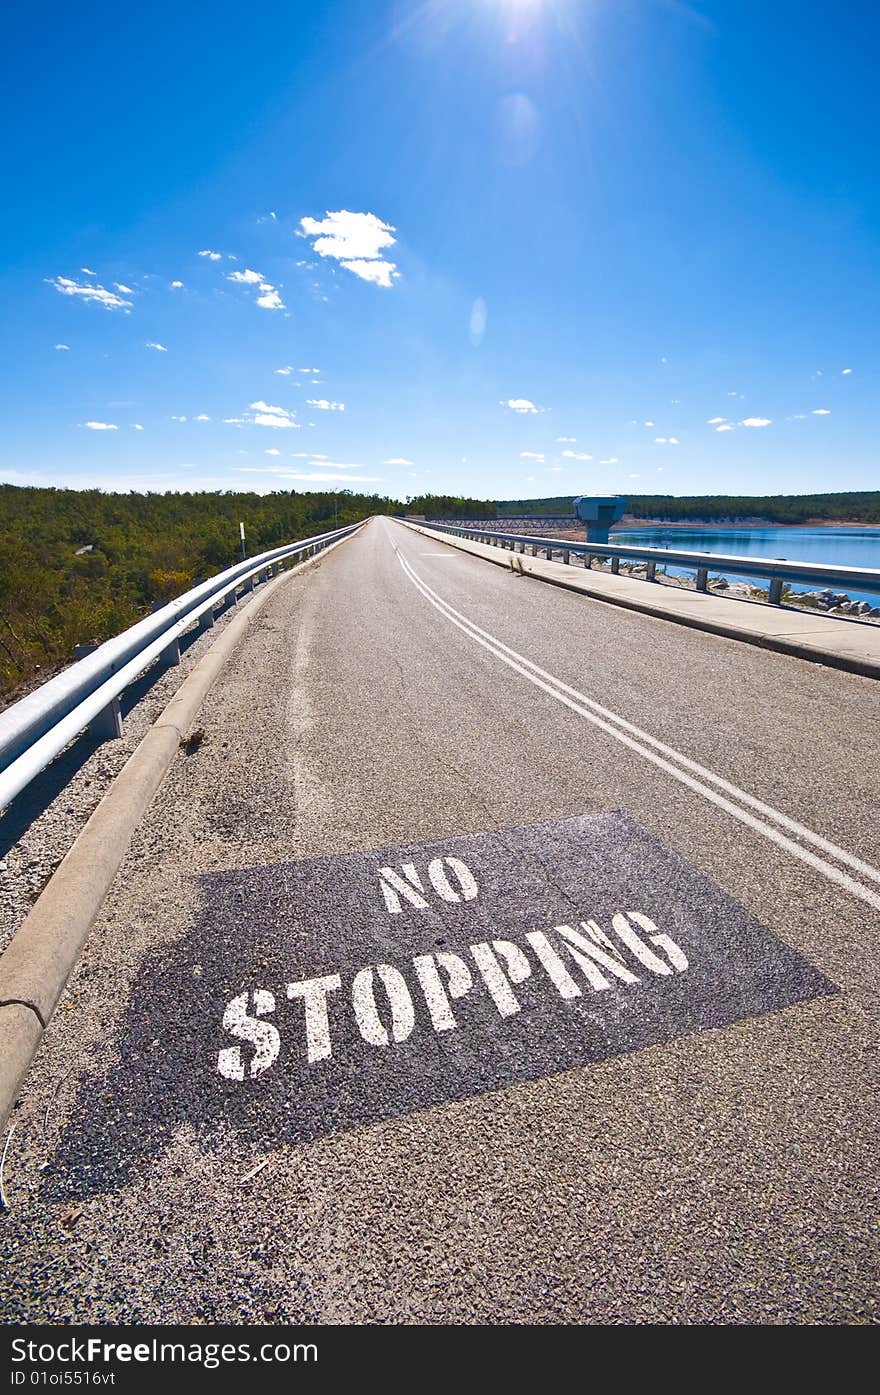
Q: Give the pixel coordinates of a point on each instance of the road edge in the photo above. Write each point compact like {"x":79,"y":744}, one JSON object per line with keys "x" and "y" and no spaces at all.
{"x":577,"y":582}
{"x":40,"y":957}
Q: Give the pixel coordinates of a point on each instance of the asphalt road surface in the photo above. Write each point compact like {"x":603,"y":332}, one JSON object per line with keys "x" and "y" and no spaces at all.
{"x":499,"y":955}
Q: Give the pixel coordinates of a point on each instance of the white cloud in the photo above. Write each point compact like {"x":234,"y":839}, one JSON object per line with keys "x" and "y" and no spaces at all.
{"x":531,"y":455}
{"x":247,"y":277}
{"x":756,"y":421}
{"x":566,"y":440}
{"x":521,"y":405}
{"x":311,"y":476}
{"x":356,"y":241}
{"x":87,"y":271}
{"x":233,"y":421}
{"x":137,"y":426}
{"x":324,"y":406}
{"x":270,"y":419}
{"x":159,"y":347}
{"x":612,"y":460}
{"x":715,"y":421}
{"x":178,"y":418}
{"x":380,"y":273}
{"x":212,"y":256}
{"x":273,"y":451}
{"x":820,"y":412}
{"x":659,"y":440}
{"x":398,"y":460}
{"x":62,"y":346}
{"x":267,"y":415}
{"x":308,"y":370}
{"x":634,"y":477}
{"x":649,"y":423}
{"x":176,"y":285}
{"x":575,"y":455}
{"x":284,"y":372}
{"x":102,"y":426}
{"x":109,"y":299}
{"x":202,"y":416}
{"x":123,"y":290}
{"x":726,"y":427}
{"x":673,"y":440}
{"x":844,"y":371}
{"x":322,"y":477}
{"x":270,"y":299}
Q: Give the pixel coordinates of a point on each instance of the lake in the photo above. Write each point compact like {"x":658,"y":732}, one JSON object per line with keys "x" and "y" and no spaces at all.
{"x":841,"y":547}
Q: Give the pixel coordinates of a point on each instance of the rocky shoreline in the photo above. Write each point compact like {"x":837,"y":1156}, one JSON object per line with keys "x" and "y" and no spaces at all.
{"x":826,"y":601}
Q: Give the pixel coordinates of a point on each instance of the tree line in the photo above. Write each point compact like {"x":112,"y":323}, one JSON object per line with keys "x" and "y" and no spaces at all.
{"x":78,"y":566}
{"x":851,"y":507}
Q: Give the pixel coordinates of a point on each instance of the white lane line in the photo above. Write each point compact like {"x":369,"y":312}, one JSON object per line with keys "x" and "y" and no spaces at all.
{"x":619,"y":728}
{"x":765,"y":810}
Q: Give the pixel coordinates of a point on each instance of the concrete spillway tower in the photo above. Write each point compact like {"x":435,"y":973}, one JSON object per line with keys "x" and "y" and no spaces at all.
{"x":598,"y":512}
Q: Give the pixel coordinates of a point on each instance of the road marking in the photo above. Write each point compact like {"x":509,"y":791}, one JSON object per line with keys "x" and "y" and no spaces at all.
{"x":502,"y":965}
{"x":663,"y":756}
{"x":318,"y":1009}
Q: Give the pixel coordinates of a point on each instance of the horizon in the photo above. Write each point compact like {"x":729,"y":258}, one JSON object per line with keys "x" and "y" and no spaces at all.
{"x":491,"y":248}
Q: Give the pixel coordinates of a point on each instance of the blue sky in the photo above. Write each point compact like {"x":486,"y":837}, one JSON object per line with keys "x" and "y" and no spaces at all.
{"x":523,"y":247}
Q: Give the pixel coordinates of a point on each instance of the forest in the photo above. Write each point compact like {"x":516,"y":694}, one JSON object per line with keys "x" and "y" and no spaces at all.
{"x":723,"y":508}
{"x":78,"y":566}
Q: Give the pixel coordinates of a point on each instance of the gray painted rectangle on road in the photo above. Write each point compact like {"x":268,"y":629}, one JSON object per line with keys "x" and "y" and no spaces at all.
{"x":327,"y":994}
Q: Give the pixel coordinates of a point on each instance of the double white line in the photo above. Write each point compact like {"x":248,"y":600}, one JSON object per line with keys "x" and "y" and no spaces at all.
{"x":752,"y":812}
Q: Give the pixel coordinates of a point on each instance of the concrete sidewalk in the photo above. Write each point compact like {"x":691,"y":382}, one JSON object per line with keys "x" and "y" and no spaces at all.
{"x":853,"y":645}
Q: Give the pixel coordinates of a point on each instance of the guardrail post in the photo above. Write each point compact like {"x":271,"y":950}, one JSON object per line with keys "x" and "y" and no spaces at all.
{"x":534,"y":550}
{"x":702,"y":582}
{"x":248,"y":586}
{"x":588,"y":561}
{"x":651,"y":570}
{"x":774,"y":595}
{"x":170,"y":656}
{"x":615,"y":566}
{"x":548,"y":553}
{"x":107,"y":725}
{"x":565,"y":556}
{"x":206,"y":620}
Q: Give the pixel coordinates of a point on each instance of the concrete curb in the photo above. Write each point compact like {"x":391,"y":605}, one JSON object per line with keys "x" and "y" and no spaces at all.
{"x":866,"y":666}
{"x":37,"y":963}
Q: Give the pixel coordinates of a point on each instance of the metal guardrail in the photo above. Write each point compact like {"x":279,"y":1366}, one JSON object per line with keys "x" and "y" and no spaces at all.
{"x":777,"y":570}
{"x":36,"y":729}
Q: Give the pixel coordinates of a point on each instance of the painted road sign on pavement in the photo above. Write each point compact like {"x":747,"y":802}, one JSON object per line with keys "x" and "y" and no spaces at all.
{"x":324,"y":995}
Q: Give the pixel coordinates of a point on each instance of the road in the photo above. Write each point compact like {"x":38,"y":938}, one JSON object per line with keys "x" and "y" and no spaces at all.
{"x":664,"y":1112}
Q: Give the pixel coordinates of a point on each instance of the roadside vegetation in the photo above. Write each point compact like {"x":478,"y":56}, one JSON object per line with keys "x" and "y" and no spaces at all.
{"x":78,"y":566}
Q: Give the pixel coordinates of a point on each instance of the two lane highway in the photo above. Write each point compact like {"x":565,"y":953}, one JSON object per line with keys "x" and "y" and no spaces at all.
{"x":499,"y":955}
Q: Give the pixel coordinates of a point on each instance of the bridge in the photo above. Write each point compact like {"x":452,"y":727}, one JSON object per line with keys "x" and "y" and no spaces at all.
{"x":445,"y":933}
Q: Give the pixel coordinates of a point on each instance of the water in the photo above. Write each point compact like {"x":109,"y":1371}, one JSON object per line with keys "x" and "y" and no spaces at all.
{"x":842,"y":547}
